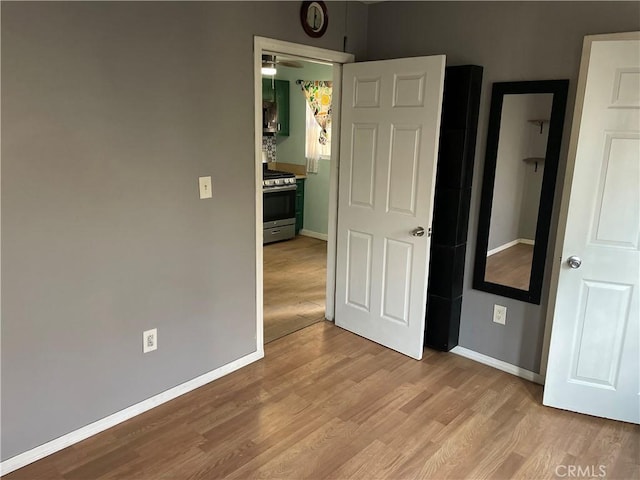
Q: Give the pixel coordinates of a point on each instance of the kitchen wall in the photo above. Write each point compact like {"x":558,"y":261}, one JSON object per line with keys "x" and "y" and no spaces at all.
{"x":110,"y":112}
{"x":291,"y":149}
{"x":513,"y":41}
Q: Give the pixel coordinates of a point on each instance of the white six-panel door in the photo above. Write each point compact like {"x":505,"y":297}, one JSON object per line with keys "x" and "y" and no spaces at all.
{"x":388,"y":153}
{"x":594,"y":357}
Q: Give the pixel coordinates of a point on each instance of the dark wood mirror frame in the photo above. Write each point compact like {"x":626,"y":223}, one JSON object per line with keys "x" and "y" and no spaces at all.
{"x":559,"y":90}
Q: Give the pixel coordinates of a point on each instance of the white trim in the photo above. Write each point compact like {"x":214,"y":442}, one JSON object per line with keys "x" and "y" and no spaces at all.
{"x":312,"y":234}
{"x":98,"y":426}
{"x":499,"y":364}
{"x":260,"y":45}
{"x":568,"y":182}
{"x":510,"y":244}
{"x":299,"y":50}
{"x":257,"y":129}
{"x":526,"y":241}
{"x":332,"y":226}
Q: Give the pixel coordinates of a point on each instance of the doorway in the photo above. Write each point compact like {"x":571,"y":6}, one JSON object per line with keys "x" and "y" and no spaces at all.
{"x":303,"y":305}
{"x":295,"y":267}
{"x":379,"y":254}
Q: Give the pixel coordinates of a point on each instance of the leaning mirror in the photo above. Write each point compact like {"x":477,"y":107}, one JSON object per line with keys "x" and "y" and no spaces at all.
{"x":523,"y":146}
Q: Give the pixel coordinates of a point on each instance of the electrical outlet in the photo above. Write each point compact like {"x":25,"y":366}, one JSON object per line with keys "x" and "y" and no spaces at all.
{"x":206,"y":190}
{"x":500,"y":314}
{"x":149,"y":340}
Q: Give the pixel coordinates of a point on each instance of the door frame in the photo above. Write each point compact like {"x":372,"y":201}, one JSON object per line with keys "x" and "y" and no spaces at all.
{"x":261,"y":45}
{"x":568,"y":182}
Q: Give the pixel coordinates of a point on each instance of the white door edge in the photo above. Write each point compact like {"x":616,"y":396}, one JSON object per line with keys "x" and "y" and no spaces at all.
{"x":260,"y":45}
{"x":568,"y":180}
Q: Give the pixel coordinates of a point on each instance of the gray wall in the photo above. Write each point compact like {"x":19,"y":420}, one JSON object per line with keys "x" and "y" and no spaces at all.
{"x":532,"y":186}
{"x":291,"y":149}
{"x":533,"y":179}
{"x":110,"y":112}
{"x":513,"y":212}
{"x":513,"y":41}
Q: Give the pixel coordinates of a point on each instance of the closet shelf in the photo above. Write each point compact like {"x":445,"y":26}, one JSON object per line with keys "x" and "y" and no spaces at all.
{"x":539,"y":122}
{"x":535,"y":161}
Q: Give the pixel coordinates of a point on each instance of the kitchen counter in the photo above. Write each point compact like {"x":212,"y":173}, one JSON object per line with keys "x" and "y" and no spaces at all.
{"x":300,"y":171}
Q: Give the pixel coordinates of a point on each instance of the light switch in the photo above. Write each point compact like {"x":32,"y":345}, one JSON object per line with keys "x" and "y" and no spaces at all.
{"x":205,"y":187}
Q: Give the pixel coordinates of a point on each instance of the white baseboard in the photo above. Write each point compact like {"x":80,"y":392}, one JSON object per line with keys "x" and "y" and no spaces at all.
{"x":309,"y":233}
{"x":98,"y":426}
{"x":509,"y":245}
{"x":499,"y":364}
{"x":493,"y":251}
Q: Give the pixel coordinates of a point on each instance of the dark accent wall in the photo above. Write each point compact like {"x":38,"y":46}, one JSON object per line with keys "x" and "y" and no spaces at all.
{"x":513,"y":41}
{"x":110,"y":113}
{"x":451,"y":208}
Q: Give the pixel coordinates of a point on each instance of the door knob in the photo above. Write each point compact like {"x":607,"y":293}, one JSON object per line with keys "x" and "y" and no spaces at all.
{"x":417,"y":232}
{"x":574,"y":261}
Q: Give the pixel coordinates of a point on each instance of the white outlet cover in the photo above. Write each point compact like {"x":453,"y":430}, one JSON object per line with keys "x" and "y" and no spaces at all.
{"x":206,"y":190}
{"x":500,"y":314}
{"x":149,"y":340}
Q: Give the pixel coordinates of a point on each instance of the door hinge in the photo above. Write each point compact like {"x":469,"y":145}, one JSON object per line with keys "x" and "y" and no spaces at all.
{"x":429,"y":232}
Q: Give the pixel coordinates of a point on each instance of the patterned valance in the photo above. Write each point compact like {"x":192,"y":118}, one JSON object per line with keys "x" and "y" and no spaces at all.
{"x":318,"y":94}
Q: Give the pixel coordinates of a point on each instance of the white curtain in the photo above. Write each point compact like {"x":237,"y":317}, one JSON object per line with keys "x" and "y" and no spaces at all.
{"x":318,"y":121}
{"x":312,"y":146}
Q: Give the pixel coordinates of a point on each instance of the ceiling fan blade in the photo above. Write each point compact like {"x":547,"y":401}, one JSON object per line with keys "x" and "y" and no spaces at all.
{"x":290,"y":63}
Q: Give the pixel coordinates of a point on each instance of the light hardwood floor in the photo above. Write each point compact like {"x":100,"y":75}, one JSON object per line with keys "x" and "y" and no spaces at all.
{"x":325,"y":403}
{"x":511,"y":267}
{"x":294,"y":285}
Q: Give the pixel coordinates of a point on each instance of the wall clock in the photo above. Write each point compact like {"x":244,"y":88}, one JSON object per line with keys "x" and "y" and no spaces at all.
{"x":313,"y":16}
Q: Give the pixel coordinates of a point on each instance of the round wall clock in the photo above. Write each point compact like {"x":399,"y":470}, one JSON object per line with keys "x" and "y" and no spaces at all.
{"x":313,"y":16}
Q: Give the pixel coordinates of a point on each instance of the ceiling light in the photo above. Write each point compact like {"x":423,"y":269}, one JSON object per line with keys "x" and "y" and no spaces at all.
{"x":268,"y":65}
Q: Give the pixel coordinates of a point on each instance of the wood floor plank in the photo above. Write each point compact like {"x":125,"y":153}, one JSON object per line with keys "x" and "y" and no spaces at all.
{"x":511,"y":267}
{"x":325,"y":403}
{"x":102,"y":464}
{"x":294,"y":289}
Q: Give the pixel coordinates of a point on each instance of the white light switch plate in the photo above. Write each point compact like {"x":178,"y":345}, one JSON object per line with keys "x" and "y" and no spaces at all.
{"x":206,"y":190}
{"x":500,"y":314}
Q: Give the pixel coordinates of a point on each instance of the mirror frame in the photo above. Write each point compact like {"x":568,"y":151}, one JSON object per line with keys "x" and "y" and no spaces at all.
{"x":559,"y":89}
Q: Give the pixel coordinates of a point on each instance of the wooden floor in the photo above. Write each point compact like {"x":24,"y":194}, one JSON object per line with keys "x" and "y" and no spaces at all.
{"x":325,"y":403}
{"x":511,"y":267}
{"x":295,"y":274}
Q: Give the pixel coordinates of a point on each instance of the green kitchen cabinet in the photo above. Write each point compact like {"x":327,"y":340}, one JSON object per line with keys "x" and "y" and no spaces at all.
{"x":268,"y":90}
{"x":299,"y":204}
{"x":278,"y":91}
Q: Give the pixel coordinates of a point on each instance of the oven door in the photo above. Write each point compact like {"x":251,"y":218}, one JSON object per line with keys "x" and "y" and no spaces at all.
{"x":278,"y":203}
{"x":279,"y":213}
